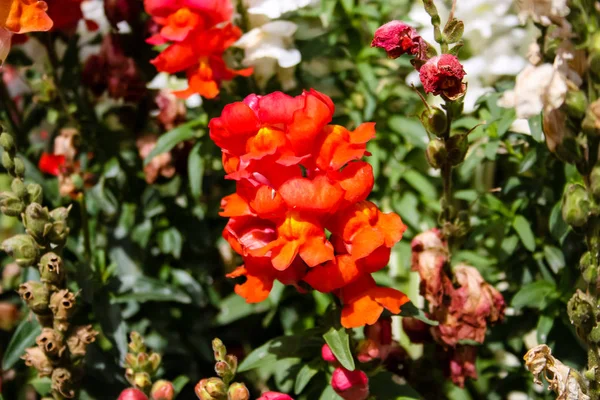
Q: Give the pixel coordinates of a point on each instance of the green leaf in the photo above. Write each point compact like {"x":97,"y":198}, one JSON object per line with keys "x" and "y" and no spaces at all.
{"x":234,"y":307}
{"x":170,"y":241}
{"x":41,"y":385}
{"x":410,"y":129}
{"x":144,"y":289}
{"x":384,"y":386}
{"x":280,"y":348}
{"x":544,"y":326}
{"x":306,"y":373}
{"x":196,"y":170}
{"x":420,"y":183}
{"x":172,"y":138}
{"x":179,"y":383}
{"x":23,"y":338}
{"x":535,"y":126}
{"x":329,"y":394}
{"x":339,"y":342}
{"x":535,"y":295}
{"x":555,"y":258}
{"x":410,"y":310}
{"x":523,"y":229}
{"x":454,"y":30}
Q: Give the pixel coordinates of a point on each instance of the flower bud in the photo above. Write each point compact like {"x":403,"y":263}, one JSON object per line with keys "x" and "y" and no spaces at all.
{"x":457,"y":147}
{"x":23,"y":248}
{"x":327,"y":354}
{"x":132,"y":394}
{"x":35,"y":193}
{"x":591,"y":122}
{"x":222,"y":369}
{"x":62,"y":304}
{"x":7,"y":142}
{"x":9,"y":316}
{"x":51,"y":269}
{"x":436,"y":153}
{"x":350,"y":385}
{"x":219,"y":349}
{"x":238,"y":391}
{"x":131,"y":360}
{"x":136,"y":345}
{"x":59,"y":231}
{"x":274,"y":396}
{"x":51,"y":342}
{"x":434,"y":121}
{"x":162,"y":390}
{"x":211,"y":389}
{"x":36,"y":296}
{"x":36,"y":358}
{"x":80,"y":338}
{"x":232,"y":361}
{"x":37,"y":221}
{"x":576,"y":205}
{"x":154,"y":362}
{"x":142,"y":380}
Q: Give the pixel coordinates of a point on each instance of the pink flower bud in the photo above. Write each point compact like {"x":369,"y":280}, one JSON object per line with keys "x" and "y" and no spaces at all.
{"x":396,"y":38}
{"x":368,"y":350}
{"x":132,"y":394}
{"x":274,"y":396}
{"x":162,"y":390}
{"x":443,"y":75}
{"x":350,"y":385}
{"x":327,"y":354}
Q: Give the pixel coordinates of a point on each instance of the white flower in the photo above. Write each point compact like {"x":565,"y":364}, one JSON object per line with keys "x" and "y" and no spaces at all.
{"x":543,"y":11}
{"x":164,"y":81}
{"x":93,"y":10}
{"x":269,"y":49}
{"x":276,"y":8}
{"x":537,"y":89}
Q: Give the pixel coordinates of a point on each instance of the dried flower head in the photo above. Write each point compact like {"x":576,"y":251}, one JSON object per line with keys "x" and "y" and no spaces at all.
{"x":36,"y":357}
{"x":443,"y":75}
{"x":51,"y":342}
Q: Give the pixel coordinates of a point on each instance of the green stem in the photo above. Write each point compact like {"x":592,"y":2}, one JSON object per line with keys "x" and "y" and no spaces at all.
{"x":85,"y":226}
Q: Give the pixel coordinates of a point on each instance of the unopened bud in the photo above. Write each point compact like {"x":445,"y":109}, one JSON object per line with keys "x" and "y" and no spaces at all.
{"x":131,"y":360}
{"x":162,"y":390}
{"x":581,"y":312}
{"x":436,"y":153}
{"x":136,"y":345}
{"x":238,"y":391}
{"x":142,"y":380}
{"x":19,"y":188}
{"x":327,"y":354}
{"x":59,"y":230}
{"x":51,"y":342}
{"x":7,"y":142}
{"x":35,"y":193}
{"x":232,"y":361}
{"x":211,"y":389}
{"x":576,"y":102}
{"x":154,"y":362}
{"x":36,"y":358}
{"x":51,"y":268}
{"x":222,"y":369}
{"x":350,"y":385}
{"x":591,"y":122}
{"x":576,"y":205}
{"x":37,"y":221}
{"x":367,"y":350}
{"x":23,"y":248}
{"x":11,"y":204}
{"x":19,"y":167}
{"x":36,"y":295}
{"x":8,"y":163}
{"x":434,"y":121}
{"x":219,"y":349}
{"x":132,"y":394}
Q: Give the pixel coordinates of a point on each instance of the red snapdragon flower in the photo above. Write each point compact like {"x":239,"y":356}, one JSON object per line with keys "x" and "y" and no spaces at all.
{"x":299,"y":213}
{"x":396,"y":38}
{"x":51,"y":164}
{"x":350,"y":385}
{"x":198,"y":33}
{"x":443,"y":75}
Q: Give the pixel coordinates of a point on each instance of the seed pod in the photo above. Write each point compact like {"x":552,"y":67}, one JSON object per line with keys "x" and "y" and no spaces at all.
{"x":37,"y":221}
{"x":51,"y":269}
{"x":51,"y":342}
{"x":591,"y":122}
{"x":19,"y":167}
{"x":60,"y":229}
{"x":576,"y":102}
{"x":457,"y":147}
{"x":11,"y":204}
{"x":35,"y":193}
{"x":435,"y":121}
{"x":436,"y":153}
{"x":8,"y":163}
{"x":7,"y":142}
{"x":18,"y":188}
{"x":62,"y":304}
{"x":23,"y":248}
{"x":36,"y":295}
{"x":576,"y":205}
{"x":80,"y":338}
{"x":62,"y":382}
{"x":36,"y":358}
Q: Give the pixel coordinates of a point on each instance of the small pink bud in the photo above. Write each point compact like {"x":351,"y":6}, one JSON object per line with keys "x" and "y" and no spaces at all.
{"x":350,"y":385}
{"x":368,"y":350}
{"x":162,"y":390}
{"x":443,"y":75}
{"x":132,"y":394}
{"x":327,"y":354}
{"x":274,"y":396}
{"x":396,"y":38}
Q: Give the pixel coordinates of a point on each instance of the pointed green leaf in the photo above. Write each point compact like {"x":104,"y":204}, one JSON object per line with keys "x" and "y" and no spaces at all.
{"x":23,"y":338}
{"x":339,"y":342}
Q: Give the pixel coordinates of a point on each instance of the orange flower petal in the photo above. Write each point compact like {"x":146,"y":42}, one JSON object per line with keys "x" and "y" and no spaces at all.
{"x":285,"y":255}
{"x":360,"y":312}
{"x":23,"y":16}
{"x":316,"y":250}
{"x":357,"y":180}
{"x":234,"y":205}
{"x":389,"y":298}
{"x":333,"y":275}
{"x":319,"y":195}
{"x":363,"y":133}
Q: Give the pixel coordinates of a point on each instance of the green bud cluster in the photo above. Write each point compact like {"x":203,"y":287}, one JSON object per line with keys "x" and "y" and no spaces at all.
{"x":221,"y":388}
{"x":141,"y":365}
{"x":60,"y":346}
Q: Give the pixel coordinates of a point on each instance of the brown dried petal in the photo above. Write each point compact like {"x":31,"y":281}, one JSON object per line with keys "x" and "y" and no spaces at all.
{"x":36,"y":358}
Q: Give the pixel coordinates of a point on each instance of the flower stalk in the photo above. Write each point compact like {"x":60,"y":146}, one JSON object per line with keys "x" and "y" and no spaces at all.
{"x":61,"y":346}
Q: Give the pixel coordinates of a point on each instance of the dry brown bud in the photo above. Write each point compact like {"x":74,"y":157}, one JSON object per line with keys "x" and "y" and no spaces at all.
{"x":36,"y":358}
{"x":62,"y":382}
{"x":80,"y":338}
{"x":51,"y":342}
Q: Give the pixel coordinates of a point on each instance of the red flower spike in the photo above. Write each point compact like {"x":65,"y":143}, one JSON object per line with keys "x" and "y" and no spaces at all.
{"x":396,"y":38}
{"x":51,"y":164}
{"x":357,"y":180}
{"x":443,"y":75}
{"x":364,"y":302}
